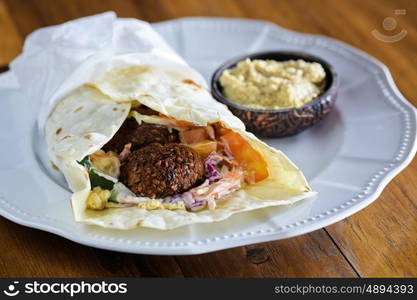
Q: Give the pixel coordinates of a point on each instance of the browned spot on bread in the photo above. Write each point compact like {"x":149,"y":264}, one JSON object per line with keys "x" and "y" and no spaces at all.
{"x":78,"y":109}
{"x":58,"y":131}
{"x":114,"y":108}
{"x":189,"y":81}
{"x":87,"y":136}
{"x":65,"y":137}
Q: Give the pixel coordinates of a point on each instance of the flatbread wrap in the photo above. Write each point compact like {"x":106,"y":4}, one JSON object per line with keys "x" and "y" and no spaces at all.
{"x":137,"y":135}
{"x":148,"y":146}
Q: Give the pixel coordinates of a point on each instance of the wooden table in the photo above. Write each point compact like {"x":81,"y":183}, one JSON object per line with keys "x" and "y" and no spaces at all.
{"x":380,"y":240}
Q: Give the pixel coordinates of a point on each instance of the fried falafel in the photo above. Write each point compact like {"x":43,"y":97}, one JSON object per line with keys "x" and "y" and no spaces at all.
{"x":140,"y":136}
{"x":158,"y":171}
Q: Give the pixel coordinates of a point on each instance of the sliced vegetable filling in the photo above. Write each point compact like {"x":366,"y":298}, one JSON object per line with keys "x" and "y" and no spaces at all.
{"x":157,"y":162}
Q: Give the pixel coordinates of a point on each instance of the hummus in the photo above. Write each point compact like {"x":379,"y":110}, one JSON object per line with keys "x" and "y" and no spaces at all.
{"x":270,"y":84}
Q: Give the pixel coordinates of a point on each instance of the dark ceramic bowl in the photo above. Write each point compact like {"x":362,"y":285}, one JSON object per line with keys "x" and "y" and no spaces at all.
{"x":280,"y":122}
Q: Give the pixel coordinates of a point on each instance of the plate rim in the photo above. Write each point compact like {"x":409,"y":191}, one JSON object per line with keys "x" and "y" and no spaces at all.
{"x":236,"y":240}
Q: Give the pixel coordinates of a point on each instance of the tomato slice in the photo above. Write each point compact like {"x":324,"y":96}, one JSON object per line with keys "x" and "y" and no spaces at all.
{"x":252,"y":162}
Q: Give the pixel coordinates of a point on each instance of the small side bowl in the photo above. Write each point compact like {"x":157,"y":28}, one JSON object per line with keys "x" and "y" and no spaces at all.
{"x":280,"y":122}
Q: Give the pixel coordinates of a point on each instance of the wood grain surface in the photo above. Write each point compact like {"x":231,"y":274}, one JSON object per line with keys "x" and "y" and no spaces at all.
{"x":379,"y":241}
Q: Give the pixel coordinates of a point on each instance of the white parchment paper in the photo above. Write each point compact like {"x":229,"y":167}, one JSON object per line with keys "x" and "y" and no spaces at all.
{"x":58,"y":59}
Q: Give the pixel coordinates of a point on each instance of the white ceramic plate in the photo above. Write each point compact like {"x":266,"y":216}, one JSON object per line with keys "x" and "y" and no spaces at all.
{"x":348,"y":158}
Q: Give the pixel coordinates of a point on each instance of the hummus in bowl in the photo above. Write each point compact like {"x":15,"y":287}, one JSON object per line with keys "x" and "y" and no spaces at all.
{"x":271,"y":84}
{"x":276,"y":93}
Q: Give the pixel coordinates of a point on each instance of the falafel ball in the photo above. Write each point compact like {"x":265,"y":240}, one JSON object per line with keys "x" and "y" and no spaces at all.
{"x":140,"y":136}
{"x":158,"y":171}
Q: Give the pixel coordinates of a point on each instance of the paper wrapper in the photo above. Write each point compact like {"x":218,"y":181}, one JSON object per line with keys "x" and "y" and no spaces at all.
{"x":58,"y":59}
